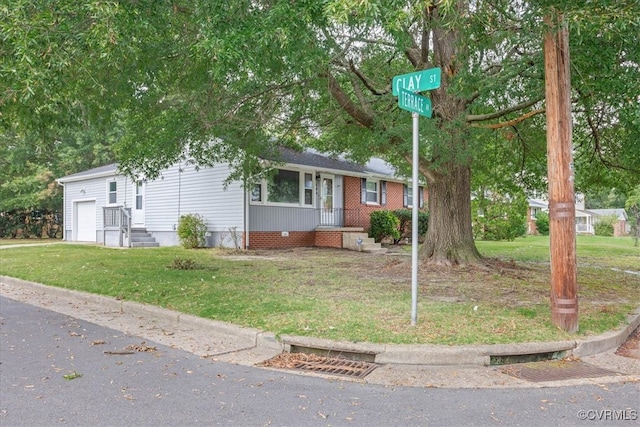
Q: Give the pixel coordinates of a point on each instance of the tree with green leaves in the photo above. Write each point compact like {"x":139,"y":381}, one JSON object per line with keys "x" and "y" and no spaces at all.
{"x":224,"y":81}
{"x":632,"y":205}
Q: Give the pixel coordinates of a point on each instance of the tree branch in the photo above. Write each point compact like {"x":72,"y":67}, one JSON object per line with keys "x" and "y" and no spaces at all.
{"x":422,"y":167}
{"x":365,"y":80}
{"x":498,"y":114}
{"x":510,"y":122}
{"x":345,"y":102}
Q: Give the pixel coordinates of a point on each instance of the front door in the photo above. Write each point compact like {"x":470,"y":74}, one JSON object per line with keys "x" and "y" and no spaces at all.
{"x":138,"y":205}
{"x":327,"y":210}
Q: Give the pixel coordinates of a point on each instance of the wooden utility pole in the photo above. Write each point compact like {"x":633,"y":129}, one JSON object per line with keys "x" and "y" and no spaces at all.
{"x":564,"y":295}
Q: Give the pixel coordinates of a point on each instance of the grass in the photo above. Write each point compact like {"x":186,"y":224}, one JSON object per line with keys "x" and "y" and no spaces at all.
{"x":352,"y":296}
{"x":6,"y":242}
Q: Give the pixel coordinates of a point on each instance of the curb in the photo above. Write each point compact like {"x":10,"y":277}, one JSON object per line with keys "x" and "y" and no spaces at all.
{"x":401,"y":354}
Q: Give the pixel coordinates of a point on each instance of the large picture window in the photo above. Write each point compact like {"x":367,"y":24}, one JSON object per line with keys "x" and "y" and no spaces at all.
{"x":286,"y":187}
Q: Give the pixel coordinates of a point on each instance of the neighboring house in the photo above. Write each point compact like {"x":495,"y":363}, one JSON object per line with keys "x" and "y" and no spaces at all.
{"x":621,"y":227}
{"x":311,"y":200}
{"x":585,"y":219}
{"x":535,"y":207}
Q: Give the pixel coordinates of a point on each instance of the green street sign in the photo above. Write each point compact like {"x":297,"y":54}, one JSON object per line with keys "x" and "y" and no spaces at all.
{"x":415,"y":103}
{"x":417,"y":82}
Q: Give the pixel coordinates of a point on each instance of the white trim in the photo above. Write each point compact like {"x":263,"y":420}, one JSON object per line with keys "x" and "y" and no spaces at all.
{"x":83,"y":177}
{"x":108,"y":185}
{"x":378,"y":191}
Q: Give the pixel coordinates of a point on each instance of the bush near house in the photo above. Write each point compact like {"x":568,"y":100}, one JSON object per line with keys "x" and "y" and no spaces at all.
{"x":497,"y":217}
{"x":542,"y":223}
{"x":191,"y":231}
{"x":604,"y":225}
{"x":396,"y":224}
{"x":384,"y":224}
{"x":405,"y":216}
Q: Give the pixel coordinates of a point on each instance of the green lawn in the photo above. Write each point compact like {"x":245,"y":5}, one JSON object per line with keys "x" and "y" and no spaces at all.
{"x":353,"y":296}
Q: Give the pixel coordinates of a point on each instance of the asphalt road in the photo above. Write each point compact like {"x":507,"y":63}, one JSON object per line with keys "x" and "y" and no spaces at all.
{"x":58,"y":370}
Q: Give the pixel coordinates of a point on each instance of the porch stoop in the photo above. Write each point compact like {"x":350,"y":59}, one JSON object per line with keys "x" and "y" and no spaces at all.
{"x":350,"y":241}
{"x":141,"y":238}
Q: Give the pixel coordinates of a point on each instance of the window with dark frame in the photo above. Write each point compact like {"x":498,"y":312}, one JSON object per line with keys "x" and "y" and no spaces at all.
{"x":113,"y":192}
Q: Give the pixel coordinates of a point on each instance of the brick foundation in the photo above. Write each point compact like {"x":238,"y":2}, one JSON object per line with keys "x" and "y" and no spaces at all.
{"x":275,"y":240}
{"x":328,"y":239}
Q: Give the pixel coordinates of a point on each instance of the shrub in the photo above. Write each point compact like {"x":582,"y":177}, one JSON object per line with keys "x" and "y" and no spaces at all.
{"x":405,"y":217}
{"x":499,"y":217}
{"x":191,"y":231}
{"x":384,"y":224}
{"x":542,"y":223}
{"x":604,"y":226}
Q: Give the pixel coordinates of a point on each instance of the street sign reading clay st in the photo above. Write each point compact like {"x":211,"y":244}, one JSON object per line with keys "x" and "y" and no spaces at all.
{"x":417,"y":82}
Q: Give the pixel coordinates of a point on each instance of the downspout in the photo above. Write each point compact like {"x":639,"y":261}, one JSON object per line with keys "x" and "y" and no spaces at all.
{"x":64,"y":210}
{"x":179,"y":189}
{"x":246,"y":214}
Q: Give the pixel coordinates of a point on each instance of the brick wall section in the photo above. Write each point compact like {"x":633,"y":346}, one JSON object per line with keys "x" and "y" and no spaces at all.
{"x":329,"y":239}
{"x":395,"y":200}
{"x":275,"y":240}
{"x":356,"y":215}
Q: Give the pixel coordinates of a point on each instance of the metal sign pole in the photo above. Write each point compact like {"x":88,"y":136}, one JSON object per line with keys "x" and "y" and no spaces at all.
{"x":405,"y":87}
{"x":414,"y":225}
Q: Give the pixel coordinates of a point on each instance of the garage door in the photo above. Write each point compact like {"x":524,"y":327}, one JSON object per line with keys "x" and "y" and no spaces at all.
{"x":86,"y":221}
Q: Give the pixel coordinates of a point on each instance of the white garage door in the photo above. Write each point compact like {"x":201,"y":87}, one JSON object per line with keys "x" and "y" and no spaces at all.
{"x":86,"y":221}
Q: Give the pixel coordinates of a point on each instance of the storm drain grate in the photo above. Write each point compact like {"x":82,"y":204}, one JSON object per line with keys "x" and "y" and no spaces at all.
{"x":321,"y":364}
{"x":349,"y":368}
{"x":556,"y":370}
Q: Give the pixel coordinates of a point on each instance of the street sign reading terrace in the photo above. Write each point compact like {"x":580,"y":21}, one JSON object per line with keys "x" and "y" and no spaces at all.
{"x":415,"y":103}
{"x":417,"y":82}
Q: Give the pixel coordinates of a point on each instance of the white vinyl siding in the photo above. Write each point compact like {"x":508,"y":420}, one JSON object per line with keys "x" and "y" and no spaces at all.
{"x":183,"y":189}
{"x":92,"y":189}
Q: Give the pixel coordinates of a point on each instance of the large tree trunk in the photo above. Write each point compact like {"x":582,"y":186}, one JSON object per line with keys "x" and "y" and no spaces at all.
{"x":449,"y":239}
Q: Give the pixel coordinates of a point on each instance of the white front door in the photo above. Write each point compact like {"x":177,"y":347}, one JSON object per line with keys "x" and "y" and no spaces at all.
{"x":327,"y":211}
{"x":138,"y":205}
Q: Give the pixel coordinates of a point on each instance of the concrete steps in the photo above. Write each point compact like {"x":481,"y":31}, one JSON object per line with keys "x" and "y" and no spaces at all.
{"x":359,"y":241}
{"x":141,"y":238}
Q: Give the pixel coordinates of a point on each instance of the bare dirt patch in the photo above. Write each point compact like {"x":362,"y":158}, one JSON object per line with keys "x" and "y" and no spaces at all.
{"x":631,"y":347}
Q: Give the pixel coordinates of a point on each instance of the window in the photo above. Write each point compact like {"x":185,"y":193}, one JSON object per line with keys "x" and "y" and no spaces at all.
{"x":308,"y":189}
{"x":256,"y":193}
{"x":408,"y":196}
{"x":139,"y":195}
{"x":535,"y":212}
{"x":286,"y":187}
{"x":113,"y":192}
{"x":373,"y":191}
